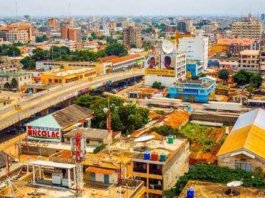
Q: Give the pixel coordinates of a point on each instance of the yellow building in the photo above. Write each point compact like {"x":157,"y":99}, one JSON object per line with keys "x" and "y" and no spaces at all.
{"x":71,"y":74}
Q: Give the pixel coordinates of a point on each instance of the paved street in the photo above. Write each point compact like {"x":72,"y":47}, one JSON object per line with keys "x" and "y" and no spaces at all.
{"x":41,"y":101}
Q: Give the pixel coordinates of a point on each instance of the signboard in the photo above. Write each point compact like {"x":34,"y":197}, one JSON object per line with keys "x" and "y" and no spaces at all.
{"x":44,"y":133}
{"x":165,"y":67}
{"x":160,"y":72}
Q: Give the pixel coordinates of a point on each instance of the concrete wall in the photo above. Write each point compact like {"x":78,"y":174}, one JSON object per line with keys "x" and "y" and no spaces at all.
{"x":176,"y":167}
{"x":228,"y":161}
{"x":227,"y":120}
{"x":113,"y":178}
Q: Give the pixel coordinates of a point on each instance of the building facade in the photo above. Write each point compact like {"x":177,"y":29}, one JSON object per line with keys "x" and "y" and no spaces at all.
{"x":249,"y":60}
{"x":17,"y":33}
{"x":22,"y":79}
{"x":247,"y":28}
{"x":132,"y":37}
{"x":196,"y":48}
{"x":244,"y":146}
{"x":193,"y":91}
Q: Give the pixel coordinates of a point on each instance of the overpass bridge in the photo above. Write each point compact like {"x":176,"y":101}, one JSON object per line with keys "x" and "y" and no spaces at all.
{"x":36,"y":103}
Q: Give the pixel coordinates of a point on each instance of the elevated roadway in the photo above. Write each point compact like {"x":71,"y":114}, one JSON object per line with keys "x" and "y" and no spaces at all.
{"x":29,"y":106}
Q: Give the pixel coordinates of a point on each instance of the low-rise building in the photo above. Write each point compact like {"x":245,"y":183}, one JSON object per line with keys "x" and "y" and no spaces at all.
{"x":124,"y":63}
{"x":194,"y":90}
{"x":244,"y":146}
{"x":62,"y":76}
{"x":155,"y":160}
{"x":14,"y":80}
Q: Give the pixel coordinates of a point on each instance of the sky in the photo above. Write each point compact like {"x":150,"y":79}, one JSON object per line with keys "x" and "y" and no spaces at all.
{"x":131,"y":7}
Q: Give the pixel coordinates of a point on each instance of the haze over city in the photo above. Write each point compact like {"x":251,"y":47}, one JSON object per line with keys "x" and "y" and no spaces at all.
{"x":131,"y":7}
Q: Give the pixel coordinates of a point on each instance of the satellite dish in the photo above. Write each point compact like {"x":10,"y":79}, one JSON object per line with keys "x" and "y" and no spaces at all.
{"x":144,"y":138}
{"x":167,"y":47}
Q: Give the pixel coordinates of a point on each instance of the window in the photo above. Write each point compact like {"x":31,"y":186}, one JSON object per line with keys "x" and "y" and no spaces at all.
{"x":244,"y":165}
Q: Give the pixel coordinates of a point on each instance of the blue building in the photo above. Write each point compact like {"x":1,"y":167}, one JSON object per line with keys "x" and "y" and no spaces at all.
{"x":194,"y":90}
{"x":194,"y":68}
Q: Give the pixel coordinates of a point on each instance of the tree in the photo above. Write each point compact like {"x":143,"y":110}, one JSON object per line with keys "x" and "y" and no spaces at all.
{"x":223,"y":74}
{"x":40,"y":39}
{"x":28,"y":63}
{"x":256,"y":80}
{"x":116,"y":49}
{"x":242,"y":78}
{"x":14,"y":83}
{"x":158,"y":85}
{"x":125,"y":118}
{"x":7,"y":85}
{"x":13,"y":51}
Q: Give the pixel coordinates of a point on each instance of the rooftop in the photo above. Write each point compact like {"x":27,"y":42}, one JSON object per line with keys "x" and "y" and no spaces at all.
{"x":89,"y":133}
{"x":248,"y":133}
{"x":250,"y":52}
{"x":213,"y":190}
{"x":239,"y":41}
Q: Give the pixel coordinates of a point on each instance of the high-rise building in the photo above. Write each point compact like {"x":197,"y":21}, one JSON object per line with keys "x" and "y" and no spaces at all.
{"x":247,"y":28}
{"x":132,"y":37}
{"x":69,"y":32}
{"x":74,"y":34}
{"x":17,"y":33}
{"x":196,"y":48}
{"x":53,"y":24}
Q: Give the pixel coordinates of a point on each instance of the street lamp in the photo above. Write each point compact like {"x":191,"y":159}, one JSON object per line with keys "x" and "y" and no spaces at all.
{"x":18,"y":109}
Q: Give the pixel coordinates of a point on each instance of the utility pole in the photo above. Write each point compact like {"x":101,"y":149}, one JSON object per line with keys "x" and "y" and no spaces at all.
{"x":18,"y":109}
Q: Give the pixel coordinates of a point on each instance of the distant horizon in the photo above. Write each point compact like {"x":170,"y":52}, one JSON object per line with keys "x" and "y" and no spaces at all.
{"x":131,"y":8}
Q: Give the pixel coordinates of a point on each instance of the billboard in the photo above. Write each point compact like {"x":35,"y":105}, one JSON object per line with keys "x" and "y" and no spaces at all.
{"x":44,"y":133}
{"x":151,"y":62}
{"x":163,"y":67}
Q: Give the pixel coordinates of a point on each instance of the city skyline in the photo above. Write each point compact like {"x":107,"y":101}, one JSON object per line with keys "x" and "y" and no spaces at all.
{"x":131,"y":7}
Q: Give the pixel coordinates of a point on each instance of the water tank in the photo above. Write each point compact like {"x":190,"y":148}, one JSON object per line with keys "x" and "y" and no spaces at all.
{"x":170,"y":140}
{"x":147,"y":155}
{"x":163,"y":157}
{"x":154,"y":156}
{"x":190,"y":193}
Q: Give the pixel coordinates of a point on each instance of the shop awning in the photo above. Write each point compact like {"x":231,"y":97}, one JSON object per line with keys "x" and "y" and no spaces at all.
{"x":99,"y":170}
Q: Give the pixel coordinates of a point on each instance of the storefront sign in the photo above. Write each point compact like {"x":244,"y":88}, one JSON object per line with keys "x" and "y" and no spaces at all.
{"x":44,"y":133}
{"x":160,"y":72}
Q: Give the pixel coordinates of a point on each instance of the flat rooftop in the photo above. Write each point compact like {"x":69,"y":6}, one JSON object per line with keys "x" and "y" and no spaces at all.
{"x":94,"y":190}
{"x":138,"y":148}
{"x":213,"y":190}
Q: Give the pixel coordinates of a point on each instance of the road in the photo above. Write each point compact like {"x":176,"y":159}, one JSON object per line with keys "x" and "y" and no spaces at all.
{"x":41,"y":101}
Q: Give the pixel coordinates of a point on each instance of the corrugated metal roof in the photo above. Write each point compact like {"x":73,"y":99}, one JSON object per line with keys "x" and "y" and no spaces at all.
{"x":46,"y":121}
{"x":63,"y":118}
{"x":248,"y":134}
{"x":256,"y":117}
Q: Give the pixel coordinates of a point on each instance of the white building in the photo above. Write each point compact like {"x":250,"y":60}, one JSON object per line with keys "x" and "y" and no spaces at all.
{"x":165,"y":79}
{"x":196,"y":48}
{"x":21,"y":79}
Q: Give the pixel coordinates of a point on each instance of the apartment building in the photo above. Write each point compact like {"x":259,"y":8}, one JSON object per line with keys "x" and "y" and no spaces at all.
{"x":247,"y":28}
{"x":196,"y":48}
{"x":132,"y":37}
{"x":17,"y":33}
{"x":249,"y":60}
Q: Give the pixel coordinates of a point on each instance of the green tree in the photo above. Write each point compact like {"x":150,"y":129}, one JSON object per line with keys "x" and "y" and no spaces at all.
{"x":7,"y":85}
{"x":28,"y":63}
{"x":256,"y":80}
{"x":14,"y":83}
{"x":116,"y":49}
{"x":40,"y":39}
{"x":13,"y":51}
{"x":158,"y":85}
{"x":242,"y":78}
{"x":224,"y":75}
